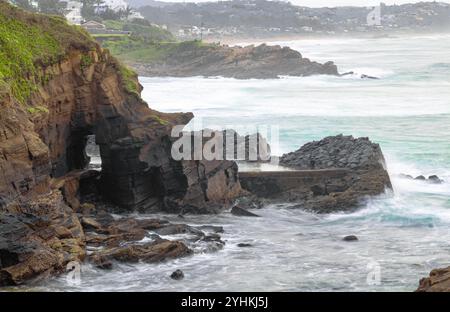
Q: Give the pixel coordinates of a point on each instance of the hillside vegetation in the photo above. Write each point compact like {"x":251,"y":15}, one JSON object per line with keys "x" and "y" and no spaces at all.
{"x":28,"y":41}
{"x":146,"y":43}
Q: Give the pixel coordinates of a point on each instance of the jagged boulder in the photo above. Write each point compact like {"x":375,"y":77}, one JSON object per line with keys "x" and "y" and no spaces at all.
{"x":349,"y":169}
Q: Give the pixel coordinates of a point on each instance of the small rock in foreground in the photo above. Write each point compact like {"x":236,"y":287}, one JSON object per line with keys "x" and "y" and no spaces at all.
{"x":177,"y":275}
{"x":350,"y":238}
{"x":238,"y":211}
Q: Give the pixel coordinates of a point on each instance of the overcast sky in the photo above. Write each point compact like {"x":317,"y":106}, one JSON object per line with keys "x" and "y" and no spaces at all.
{"x":322,"y":3}
{"x":330,"y":3}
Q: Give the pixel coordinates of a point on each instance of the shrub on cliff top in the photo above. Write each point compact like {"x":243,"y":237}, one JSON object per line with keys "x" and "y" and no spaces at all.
{"x":29,"y":41}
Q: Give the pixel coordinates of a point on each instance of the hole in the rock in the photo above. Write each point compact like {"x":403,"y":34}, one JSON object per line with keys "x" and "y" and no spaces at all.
{"x":82,"y":152}
{"x":93,"y":152}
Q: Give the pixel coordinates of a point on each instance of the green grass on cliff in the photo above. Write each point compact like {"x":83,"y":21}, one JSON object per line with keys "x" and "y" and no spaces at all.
{"x":141,"y":29}
{"x":129,"y":80}
{"x":141,"y":51}
{"x":29,"y":41}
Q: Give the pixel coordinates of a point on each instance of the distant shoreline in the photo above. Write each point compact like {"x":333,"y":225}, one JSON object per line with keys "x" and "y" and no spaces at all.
{"x":260,"y":40}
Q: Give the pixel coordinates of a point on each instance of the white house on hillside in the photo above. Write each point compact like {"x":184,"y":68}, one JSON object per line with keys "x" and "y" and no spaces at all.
{"x":74,"y":10}
{"x":74,"y":14}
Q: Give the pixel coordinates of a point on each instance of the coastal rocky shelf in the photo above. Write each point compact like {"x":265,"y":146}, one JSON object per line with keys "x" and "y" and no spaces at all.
{"x":258,"y":62}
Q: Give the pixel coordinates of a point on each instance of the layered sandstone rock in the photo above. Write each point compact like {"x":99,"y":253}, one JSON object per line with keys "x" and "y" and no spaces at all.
{"x":260,"y":62}
{"x":89,"y":92}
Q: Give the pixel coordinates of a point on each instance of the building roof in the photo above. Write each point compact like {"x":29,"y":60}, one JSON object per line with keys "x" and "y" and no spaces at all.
{"x":93,"y":24}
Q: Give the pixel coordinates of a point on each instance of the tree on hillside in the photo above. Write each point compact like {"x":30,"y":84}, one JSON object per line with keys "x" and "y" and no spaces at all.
{"x":127,"y":12}
{"x":88,"y":9}
{"x":55,"y":7}
{"x":24,"y":4}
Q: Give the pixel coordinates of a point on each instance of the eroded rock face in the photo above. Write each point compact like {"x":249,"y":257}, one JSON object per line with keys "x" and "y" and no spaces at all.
{"x":260,"y":62}
{"x":39,"y":240}
{"x":438,"y":281}
{"x":135,"y":143}
{"x":352,"y":169}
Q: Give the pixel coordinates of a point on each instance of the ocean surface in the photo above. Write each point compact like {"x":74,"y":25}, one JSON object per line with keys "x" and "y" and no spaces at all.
{"x":402,"y":236}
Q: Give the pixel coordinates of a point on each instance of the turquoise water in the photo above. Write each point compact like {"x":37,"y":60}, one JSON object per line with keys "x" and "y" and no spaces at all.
{"x":402,"y":236}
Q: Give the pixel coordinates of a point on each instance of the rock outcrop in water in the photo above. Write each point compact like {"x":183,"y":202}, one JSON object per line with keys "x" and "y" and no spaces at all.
{"x":367,"y":171}
{"x":259,"y":62}
{"x":57,"y":86}
{"x":438,"y":281}
{"x":334,"y":174}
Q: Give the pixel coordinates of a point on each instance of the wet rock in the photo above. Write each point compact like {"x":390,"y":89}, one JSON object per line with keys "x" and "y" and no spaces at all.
{"x":244,"y":245}
{"x":350,"y":238}
{"x":435,"y":179}
{"x":364,"y":76}
{"x":336,"y":174}
{"x":177,"y":275}
{"x":438,"y":281}
{"x":39,"y":241}
{"x":90,"y":224}
{"x":151,"y":252}
{"x":350,"y":73}
{"x":238,"y":211}
{"x":250,"y":201}
{"x":87,"y":208}
{"x":406,"y":176}
{"x":104,"y":264}
{"x":173,"y":229}
{"x":211,"y":228}
{"x":213,"y":238}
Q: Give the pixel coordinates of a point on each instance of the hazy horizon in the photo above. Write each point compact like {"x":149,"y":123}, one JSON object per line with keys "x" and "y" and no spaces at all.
{"x":329,"y":3}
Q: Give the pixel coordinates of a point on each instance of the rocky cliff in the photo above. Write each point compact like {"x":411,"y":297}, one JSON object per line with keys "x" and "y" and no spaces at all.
{"x":81,"y":91}
{"x":209,"y":60}
{"x":57,"y":86}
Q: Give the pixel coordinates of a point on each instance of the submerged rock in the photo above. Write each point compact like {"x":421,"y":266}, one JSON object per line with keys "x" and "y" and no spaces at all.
{"x":157,"y":251}
{"x":350,"y":238}
{"x":364,"y":76}
{"x":177,"y":275}
{"x":435,"y":179}
{"x":238,"y":211}
{"x":332,"y":174}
